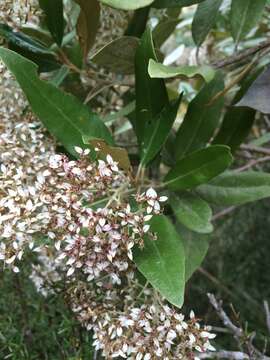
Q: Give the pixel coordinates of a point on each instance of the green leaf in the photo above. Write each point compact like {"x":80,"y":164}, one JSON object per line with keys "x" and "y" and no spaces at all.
{"x":23,"y":41}
{"x":161,"y":4}
{"x":62,"y":114}
{"x":138,"y":22}
{"x":151,"y":94}
{"x":192,"y":211}
{"x":118,"y":56}
{"x":88,"y":24}
{"x":245,"y":14}
{"x":204,"y":19}
{"x":157,"y":131}
{"x":40,"y":35}
{"x":162,"y":261}
{"x":237,"y":122}
{"x":199,"y":167}
{"x":127,"y":4}
{"x":163,"y":30}
{"x":157,"y":70}
{"x":59,"y":76}
{"x":234,"y":188}
{"x":54,"y":17}
{"x":30,"y":48}
{"x":235,"y":127}
{"x":201,"y":119}
{"x":196,"y":247}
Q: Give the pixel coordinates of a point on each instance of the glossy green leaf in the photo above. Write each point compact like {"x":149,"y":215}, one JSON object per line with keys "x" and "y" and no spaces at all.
{"x":234,"y":188}
{"x":28,"y":47}
{"x":162,"y":261}
{"x":23,"y":41}
{"x":157,"y":131}
{"x":127,"y":4}
{"x":196,"y":247}
{"x":62,"y":114}
{"x":235,"y":127}
{"x":204,"y":19}
{"x":38,"y":34}
{"x":157,"y":70}
{"x":245,"y":14}
{"x":199,"y":167}
{"x":88,"y":24}
{"x":54,"y":17}
{"x":151,"y":94}
{"x":192,"y":211}
{"x":118,"y":56}
{"x":201,"y":119}
{"x":160,"y":4}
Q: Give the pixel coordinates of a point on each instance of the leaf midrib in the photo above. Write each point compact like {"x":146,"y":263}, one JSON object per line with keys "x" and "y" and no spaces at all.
{"x":42,"y":95}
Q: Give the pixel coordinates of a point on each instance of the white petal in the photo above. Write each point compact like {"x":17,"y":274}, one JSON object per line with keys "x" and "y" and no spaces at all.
{"x":151,"y":193}
{"x":78,"y":150}
{"x":70,"y":271}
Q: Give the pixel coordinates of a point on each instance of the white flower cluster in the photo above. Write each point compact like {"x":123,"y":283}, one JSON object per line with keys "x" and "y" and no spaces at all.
{"x":158,"y":332}
{"x":83,"y":220}
{"x":93,"y":239}
{"x":24,"y":156}
{"x":140,"y":326}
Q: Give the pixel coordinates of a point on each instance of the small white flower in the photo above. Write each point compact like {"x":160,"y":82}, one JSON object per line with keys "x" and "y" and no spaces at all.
{"x":119,"y":331}
{"x":78,"y":150}
{"x":11,"y":260}
{"x":151,"y":193}
{"x":70,"y":271}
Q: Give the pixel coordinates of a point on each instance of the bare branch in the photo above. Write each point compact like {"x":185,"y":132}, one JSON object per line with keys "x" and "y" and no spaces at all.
{"x":253,"y":163}
{"x":223,"y":213}
{"x":257,"y":149}
{"x":242,"y":55}
{"x":238,"y":332}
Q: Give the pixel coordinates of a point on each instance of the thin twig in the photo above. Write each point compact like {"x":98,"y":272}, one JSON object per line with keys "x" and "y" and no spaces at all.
{"x":238,"y":332}
{"x":223,"y":213}
{"x":215,"y":281}
{"x":241,"y":55}
{"x":253,"y":163}
{"x":234,"y":81}
{"x":257,"y":149}
{"x":67,"y":62}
